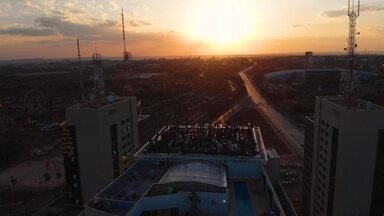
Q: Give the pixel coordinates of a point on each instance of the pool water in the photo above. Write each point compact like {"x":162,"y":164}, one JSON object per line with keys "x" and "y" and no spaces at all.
{"x":243,"y":201}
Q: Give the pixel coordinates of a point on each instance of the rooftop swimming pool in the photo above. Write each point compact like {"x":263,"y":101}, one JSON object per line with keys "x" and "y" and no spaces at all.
{"x":243,"y":201}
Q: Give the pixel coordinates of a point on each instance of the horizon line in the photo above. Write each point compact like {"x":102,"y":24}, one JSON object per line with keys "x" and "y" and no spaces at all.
{"x":141,"y":57}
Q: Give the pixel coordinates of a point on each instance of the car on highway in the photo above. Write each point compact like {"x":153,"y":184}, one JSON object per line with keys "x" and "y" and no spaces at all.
{"x":287,"y":173}
{"x":47,"y":148}
{"x":286,"y":182}
{"x":37,"y":152}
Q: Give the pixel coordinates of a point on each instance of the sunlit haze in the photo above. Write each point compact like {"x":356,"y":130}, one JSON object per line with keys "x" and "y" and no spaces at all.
{"x":49,"y":28}
{"x":220,"y":22}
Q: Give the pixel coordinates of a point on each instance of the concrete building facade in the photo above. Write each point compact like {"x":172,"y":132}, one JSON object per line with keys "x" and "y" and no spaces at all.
{"x":307,"y":174}
{"x":96,"y":139}
{"x":347,"y":159}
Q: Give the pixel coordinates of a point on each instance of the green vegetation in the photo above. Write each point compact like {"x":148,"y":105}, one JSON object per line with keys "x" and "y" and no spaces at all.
{"x":11,"y":147}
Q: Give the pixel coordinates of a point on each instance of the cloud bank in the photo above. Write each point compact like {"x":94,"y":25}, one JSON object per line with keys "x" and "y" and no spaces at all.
{"x":57,"y":25}
{"x":344,"y":11}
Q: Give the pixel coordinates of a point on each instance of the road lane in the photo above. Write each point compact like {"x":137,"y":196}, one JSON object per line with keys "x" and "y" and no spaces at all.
{"x":290,"y":133}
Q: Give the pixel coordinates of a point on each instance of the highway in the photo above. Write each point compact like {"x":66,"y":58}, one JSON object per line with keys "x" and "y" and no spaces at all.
{"x":291,"y":134}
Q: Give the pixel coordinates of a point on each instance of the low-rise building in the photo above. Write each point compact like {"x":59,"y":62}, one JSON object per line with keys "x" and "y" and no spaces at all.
{"x":196,"y":170}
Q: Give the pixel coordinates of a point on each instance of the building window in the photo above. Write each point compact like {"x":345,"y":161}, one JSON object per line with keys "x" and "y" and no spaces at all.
{"x":115,"y":150}
{"x":336,"y":113}
{"x":112,"y":111}
{"x":323,"y":157}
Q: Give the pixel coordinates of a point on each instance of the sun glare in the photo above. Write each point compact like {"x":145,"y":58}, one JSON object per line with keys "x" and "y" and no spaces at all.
{"x":219,"y":22}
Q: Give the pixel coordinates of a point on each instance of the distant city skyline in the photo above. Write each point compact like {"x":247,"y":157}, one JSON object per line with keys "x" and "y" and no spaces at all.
{"x":49,"y":28}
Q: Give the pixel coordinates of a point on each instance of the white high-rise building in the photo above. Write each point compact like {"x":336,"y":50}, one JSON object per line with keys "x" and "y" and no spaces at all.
{"x":96,"y":139}
{"x":348,"y":159}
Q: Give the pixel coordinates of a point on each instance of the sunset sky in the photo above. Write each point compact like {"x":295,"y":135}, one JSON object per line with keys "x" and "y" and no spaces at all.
{"x":49,"y":28}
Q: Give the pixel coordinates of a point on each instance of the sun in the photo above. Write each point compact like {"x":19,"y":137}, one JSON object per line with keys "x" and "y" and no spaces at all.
{"x":219,"y":22}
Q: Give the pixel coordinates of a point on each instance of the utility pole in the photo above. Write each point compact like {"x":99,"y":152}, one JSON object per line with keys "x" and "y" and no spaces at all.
{"x":81,"y":72}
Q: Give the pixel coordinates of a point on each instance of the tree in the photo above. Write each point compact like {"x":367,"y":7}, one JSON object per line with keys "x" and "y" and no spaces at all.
{"x":58,"y":177}
{"x":47,"y":178}
{"x":13,"y":181}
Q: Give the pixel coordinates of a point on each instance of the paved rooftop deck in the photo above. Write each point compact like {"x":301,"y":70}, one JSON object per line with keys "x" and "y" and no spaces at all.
{"x":125,"y":191}
{"x":258,"y":196}
{"x":206,"y":139}
{"x":357,"y":105}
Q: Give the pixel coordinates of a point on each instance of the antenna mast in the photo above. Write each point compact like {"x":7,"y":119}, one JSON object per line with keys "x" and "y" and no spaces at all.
{"x":127,"y":90}
{"x":98,"y":77}
{"x":78,"y":50}
{"x":81,"y":73}
{"x":348,"y":80}
{"x":125,"y":53}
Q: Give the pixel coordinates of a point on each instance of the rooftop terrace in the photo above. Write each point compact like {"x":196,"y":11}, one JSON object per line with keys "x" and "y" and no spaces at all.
{"x":357,"y":105}
{"x":156,"y":179}
{"x":121,"y":195}
{"x":207,"y":139}
{"x":157,"y":184}
{"x":99,"y":102}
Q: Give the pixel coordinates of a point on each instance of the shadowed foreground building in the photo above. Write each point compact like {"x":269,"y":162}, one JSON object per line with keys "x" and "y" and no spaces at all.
{"x":96,"y":139}
{"x":307,"y":171}
{"x":196,"y":170}
{"x":347,"y":164}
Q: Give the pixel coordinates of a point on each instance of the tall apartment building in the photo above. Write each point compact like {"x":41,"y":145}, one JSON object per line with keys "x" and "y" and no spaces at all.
{"x":96,"y":139}
{"x":307,"y":174}
{"x":309,"y":56}
{"x":347,"y":175}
